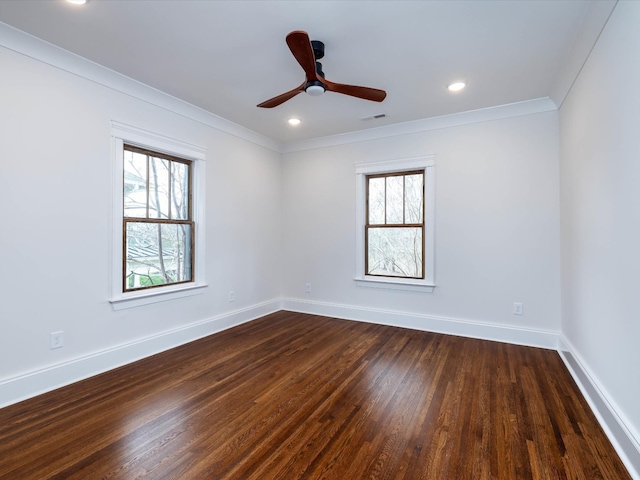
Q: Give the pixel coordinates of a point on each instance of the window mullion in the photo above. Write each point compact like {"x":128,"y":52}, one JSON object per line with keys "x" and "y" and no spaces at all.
{"x":366,"y":224}
{"x":148,"y":186}
{"x":397,"y":225}
{"x":158,"y":220}
{"x":385,"y":199}
{"x":424,"y":174}
{"x":404,"y":199}
{"x":190,"y":169}
{"x":170,"y":186}
{"x":366,"y":220}
{"x":124,"y":254}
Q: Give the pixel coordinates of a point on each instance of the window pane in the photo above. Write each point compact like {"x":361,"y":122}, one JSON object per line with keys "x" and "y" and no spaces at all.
{"x":395,"y":252}
{"x":157,"y":254}
{"x":158,"y":188}
{"x":135,"y":184}
{"x":413,"y":193}
{"x":179,"y":191}
{"x":376,"y":200}
{"x":395,"y":199}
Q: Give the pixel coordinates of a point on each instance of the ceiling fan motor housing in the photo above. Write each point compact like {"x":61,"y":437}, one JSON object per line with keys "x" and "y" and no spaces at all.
{"x":316,"y":87}
{"x":318,"y":49}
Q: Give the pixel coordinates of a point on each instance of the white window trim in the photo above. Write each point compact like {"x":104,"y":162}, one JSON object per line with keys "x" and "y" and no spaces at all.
{"x":426,"y":163}
{"x":121,"y":134}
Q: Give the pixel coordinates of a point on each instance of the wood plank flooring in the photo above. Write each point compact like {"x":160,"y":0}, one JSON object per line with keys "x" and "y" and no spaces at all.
{"x":293,"y":396}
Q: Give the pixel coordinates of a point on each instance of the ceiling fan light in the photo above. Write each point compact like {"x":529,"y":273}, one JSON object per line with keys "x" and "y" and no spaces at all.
{"x":315,"y":90}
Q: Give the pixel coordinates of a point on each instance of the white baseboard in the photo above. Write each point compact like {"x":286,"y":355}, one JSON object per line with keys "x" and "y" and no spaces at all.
{"x":624,"y":439}
{"x":21,"y":387}
{"x":429,"y":323}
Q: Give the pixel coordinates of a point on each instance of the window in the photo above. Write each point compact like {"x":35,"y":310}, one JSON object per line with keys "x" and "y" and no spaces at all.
{"x":157,"y":222}
{"x":395,"y":224}
{"x":394,"y":228}
{"x":158,"y":219}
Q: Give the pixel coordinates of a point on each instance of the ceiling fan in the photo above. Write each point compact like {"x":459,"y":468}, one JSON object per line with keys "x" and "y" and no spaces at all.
{"x":307,"y":53}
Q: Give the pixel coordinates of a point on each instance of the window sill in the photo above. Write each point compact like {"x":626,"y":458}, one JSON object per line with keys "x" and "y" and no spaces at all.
{"x":137,"y":299}
{"x":395,"y":284}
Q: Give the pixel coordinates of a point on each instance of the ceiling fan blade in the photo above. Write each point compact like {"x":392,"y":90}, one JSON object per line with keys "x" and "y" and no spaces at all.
{"x":300,"y":47}
{"x":366,"y":93}
{"x":275,"y":101}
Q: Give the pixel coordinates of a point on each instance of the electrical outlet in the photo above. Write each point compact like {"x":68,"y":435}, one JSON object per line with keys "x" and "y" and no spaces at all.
{"x":307,"y":287}
{"x":56,"y":340}
{"x":232,"y":296}
{"x":517,"y":309}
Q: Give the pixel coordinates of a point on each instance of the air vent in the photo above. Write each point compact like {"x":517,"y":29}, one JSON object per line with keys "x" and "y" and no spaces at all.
{"x":373,"y":117}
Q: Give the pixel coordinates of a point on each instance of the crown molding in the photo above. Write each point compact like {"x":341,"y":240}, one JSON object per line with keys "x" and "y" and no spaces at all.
{"x":593,"y":23}
{"x":33,"y":47}
{"x":517,"y":109}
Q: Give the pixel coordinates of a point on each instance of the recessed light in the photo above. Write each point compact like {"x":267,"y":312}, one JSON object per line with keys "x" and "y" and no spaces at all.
{"x":456,"y":86}
{"x":77,"y":2}
{"x":294,"y":121}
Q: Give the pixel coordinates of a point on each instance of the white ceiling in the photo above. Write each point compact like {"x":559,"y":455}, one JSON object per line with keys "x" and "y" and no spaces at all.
{"x":227,"y":56}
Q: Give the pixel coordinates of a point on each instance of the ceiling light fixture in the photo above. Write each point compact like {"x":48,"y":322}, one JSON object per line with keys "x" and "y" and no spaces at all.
{"x":456,"y":86}
{"x":315,"y":89}
{"x":294,"y":121}
{"x":77,"y":2}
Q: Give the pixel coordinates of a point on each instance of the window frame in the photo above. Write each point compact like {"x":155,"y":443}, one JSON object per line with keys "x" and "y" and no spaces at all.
{"x":368,"y":226}
{"x":158,"y":221}
{"x":122,"y":134}
{"x":425,"y":164}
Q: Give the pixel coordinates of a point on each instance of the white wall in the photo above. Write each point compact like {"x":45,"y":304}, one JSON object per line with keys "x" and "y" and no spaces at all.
{"x":600,"y":202}
{"x":497,"y":225}
{"x":56,"y":197}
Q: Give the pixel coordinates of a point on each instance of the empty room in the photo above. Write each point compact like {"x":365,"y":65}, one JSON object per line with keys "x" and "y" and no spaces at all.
{"x":308,"y":239}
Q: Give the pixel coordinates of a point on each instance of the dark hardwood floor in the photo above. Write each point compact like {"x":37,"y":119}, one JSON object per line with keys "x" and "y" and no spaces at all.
{"x":295,"y":396}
